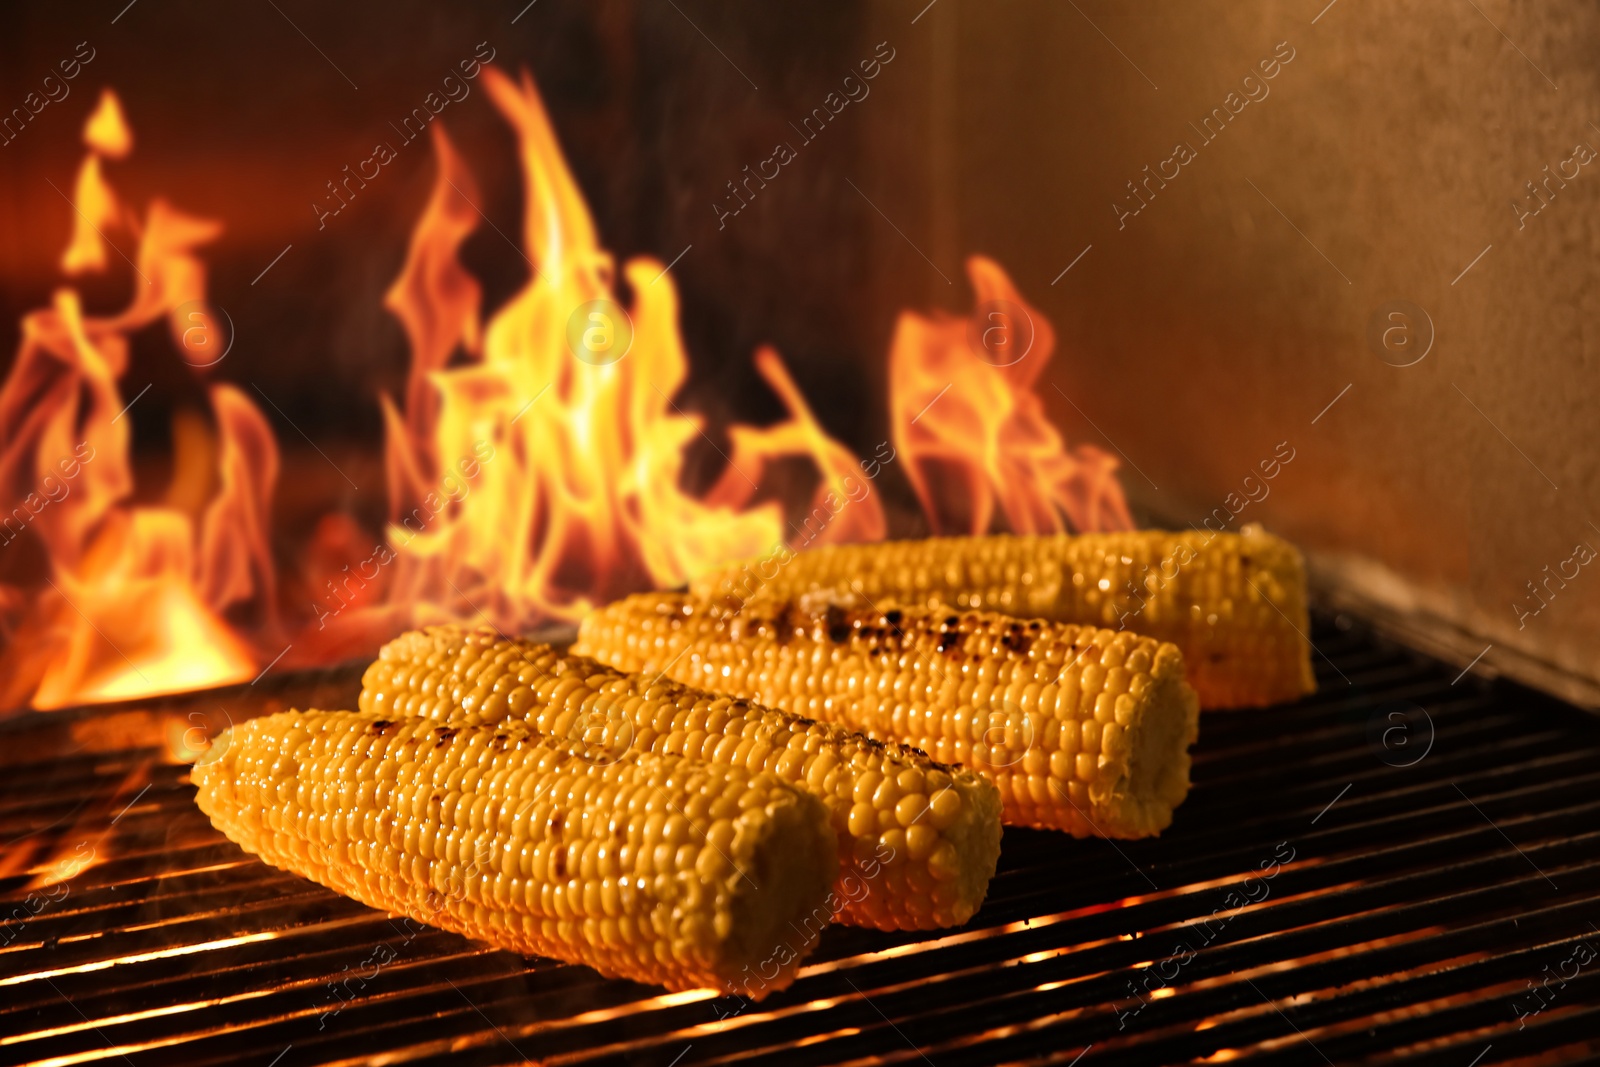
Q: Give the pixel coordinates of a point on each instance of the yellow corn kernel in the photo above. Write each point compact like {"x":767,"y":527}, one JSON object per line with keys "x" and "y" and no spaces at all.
{"x":437,"y":671}
{"x":513,"y":856}
{"x":942,"y":681}
{"x":1235,"y":603}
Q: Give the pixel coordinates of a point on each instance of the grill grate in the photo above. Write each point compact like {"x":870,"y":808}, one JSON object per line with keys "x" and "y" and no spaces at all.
{"x":1387,"y":872}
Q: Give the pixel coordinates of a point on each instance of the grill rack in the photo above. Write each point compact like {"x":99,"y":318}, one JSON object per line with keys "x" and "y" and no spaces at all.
{"x":1445,"y":838}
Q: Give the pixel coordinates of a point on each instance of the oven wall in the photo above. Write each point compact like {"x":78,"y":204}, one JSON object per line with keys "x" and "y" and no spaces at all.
{"x":1387,"y":159}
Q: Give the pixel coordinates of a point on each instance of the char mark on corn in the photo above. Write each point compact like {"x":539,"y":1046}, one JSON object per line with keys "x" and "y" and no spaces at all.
{"x":1235,"y":603}
{"x":1080,"y":728}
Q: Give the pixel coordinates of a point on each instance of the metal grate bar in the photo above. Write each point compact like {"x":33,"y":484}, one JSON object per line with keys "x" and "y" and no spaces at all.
{"x":1422,"y":896}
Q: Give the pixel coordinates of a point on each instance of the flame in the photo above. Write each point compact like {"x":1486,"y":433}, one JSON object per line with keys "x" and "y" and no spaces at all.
{"x":133,"y":595}
{"x":966,"y":420}
{"x":539,"y":476}
{"x":538,"y":461}
{"x":801,"y":435}
{"x":96,"y":211}
{"x":107,"y":132}
{"x":66,"y":848}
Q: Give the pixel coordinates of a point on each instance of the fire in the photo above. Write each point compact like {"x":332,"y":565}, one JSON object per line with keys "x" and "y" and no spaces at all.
{"x":132,"y":595}
{"x":536,"y":462}
{"x":107,"y":135}
{"x":975,"y":436}
{"x":554,"y":450}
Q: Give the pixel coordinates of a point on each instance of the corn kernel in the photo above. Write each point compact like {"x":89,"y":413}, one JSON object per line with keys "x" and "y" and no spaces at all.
{"x":1026,"y":703}
{"x":862,"y":783}
{"x":1208,"y":593}
{"x":541,"y":882}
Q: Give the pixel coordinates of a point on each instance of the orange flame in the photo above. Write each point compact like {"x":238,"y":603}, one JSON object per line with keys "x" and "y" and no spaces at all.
{"x":107,"y":131}
{"x":536,"y":463}
{"x":967,"y":421}
{"x":541,"y":476}
{"x":132,"y":598}
{"x":801,"y":435}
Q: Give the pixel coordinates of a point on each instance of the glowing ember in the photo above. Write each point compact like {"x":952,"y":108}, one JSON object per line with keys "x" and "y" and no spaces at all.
{"x":535,"y":462}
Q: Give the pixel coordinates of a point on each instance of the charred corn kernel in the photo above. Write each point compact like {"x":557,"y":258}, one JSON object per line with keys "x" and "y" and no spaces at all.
{"x":435,"y":672}
{"x":536,"y":845}
{"x":1235,"y":603}
{"x":1105,"y":754}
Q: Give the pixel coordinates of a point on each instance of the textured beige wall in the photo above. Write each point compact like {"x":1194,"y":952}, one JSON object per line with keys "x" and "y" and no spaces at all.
{"x":1235,"y":306}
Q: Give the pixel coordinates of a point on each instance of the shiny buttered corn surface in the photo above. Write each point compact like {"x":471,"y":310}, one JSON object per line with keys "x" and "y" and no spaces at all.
{"x":654,"y":868}
{"x":1234,"y":603}
{"x":1082,"y":729}
{"x":918,"y":841}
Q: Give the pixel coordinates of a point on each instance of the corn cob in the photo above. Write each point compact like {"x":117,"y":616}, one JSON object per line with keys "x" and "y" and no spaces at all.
{"x":654,"y":868}
{"x":918,"y":841}
{"x":1235,"y":603}
{"x":1082,"y":729}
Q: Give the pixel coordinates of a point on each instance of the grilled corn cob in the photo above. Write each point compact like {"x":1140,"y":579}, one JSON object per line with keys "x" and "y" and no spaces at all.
{"x":1235,"y":603}
{"x":654,"y":868}
{"x":1082,"y":729}
{"x":918,"y":841}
